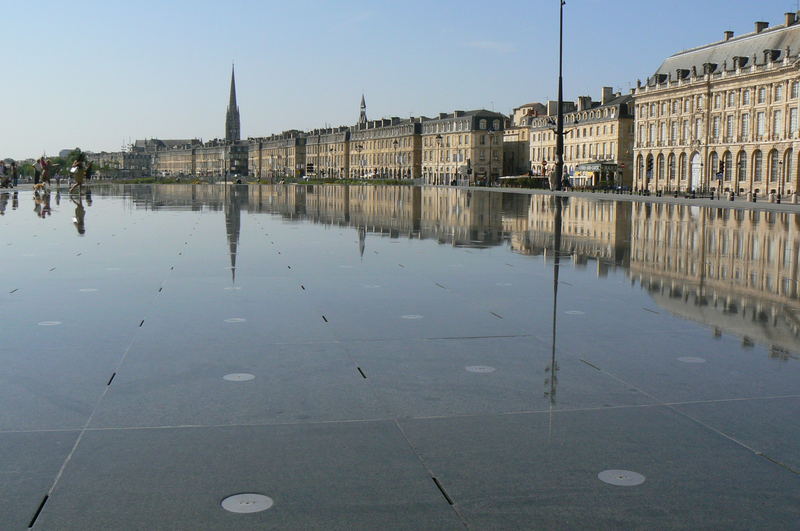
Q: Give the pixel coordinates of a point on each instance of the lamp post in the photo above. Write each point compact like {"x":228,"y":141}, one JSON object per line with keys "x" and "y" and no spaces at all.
{"x":359,"y":148}
{"x":490,"y":131}
{"x":438,"y":159}
{"x":394,"y":143}
{"x":560,"y":116}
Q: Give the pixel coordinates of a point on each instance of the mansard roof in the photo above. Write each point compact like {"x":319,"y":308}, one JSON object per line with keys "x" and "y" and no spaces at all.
{"x":771,"y":43}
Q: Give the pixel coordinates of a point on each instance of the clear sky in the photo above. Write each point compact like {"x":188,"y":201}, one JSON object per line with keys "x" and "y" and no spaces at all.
{"x":95,"y":74}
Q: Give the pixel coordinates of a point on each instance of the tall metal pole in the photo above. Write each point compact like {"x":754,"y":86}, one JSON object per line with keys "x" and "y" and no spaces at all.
{"x":560,"y":119}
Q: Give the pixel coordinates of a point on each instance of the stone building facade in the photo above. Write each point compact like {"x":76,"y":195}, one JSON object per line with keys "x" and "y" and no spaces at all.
{"x":598,"y":144}
{"x":389,"y":148}
{"x":724,"y":116}
{"x":328,"y":153}
{"x":277,"y":156}
{"x":466,"y":147}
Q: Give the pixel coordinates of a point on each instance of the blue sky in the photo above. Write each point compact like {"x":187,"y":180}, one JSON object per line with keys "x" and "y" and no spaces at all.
{"x":94,"y":74}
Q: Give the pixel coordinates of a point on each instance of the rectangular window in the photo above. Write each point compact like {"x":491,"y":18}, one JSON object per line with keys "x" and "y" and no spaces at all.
{"x":793,"y":121}
{"x":745,"y":126}
{"x":778,"y":93}
{"x":746,"y":97}
{"x":715,"y":128}
{"x":761,"y":124}
{"x":729,"y":128}
{"x":731,"y":99}
{"x":762,"y":95}
{"x":777,"y":124}
{"x":795,"y":89}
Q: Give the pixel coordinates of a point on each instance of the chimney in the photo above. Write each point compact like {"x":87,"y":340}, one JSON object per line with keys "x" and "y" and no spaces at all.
{"x":761,"y":26}
{"x":790,"y":18}
{"x":607,"y":95}
{"x":728,"y":35}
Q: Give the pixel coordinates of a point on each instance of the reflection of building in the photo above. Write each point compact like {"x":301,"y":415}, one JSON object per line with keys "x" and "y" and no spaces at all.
{"x":598,"y":230}
{"x":731,"y":269}
{"x":462,"y":218}
{"x":462,"y":146}
{"x":724,"y":114}
{"x":598,"y":146}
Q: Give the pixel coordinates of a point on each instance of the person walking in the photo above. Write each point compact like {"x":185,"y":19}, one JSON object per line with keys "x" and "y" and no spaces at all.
{"x":14,"y":173}
{"x":5,"y":182}
{"x":78,"y":172}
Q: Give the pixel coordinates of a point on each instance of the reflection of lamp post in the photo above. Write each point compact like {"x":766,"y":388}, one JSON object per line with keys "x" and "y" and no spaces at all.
{"x":330,"y":161}
{"x":781,"y":180}
{"x":438,"y":159}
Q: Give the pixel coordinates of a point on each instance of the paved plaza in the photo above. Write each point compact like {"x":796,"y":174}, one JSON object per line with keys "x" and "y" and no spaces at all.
{"x":196,"y":343}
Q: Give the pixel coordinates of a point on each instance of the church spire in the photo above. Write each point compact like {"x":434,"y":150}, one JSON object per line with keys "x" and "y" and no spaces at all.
{"x":362,"y":120}
{"x":232,"y":126}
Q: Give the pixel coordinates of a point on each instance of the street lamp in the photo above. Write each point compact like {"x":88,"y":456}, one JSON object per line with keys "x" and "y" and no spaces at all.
{"x":439,"y":159}
{"x":490,"y":131}
{"x":360,"y":148}
{"x":560,"y":116}
{"x":395,"y":157}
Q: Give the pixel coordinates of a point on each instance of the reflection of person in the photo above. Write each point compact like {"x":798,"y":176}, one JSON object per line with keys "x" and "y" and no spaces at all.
{"x":3,"y":203}
{"x":80,"y":215}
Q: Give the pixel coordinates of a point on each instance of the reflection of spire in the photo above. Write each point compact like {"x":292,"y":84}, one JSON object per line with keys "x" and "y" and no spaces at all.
{"x":233,"y":225}
{"x":362,"y":241}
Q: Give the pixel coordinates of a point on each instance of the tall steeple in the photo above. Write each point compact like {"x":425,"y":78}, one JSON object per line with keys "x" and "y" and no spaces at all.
{"x":232,"y":126}
{"x":362,"y":120}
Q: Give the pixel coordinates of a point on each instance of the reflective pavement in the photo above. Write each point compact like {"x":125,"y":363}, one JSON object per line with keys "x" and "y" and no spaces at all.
{"x":395,"y":357}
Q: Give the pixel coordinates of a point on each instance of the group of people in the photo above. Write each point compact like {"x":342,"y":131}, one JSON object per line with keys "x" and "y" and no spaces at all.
{"x":43,"y":169}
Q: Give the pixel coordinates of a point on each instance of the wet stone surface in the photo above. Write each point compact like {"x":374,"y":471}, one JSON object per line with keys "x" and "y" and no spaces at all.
{"x":358,"y":357}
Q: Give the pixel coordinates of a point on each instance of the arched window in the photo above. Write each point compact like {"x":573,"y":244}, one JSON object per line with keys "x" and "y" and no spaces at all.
{"x":496,"y":125}
{"x":774,"y":166}
{"x":788,"y":167}
{"x":671,"y":167}
{"x":660,"y":167}
{"x":728,"y":160}
{"x":741,"y":166}
{"x":713,"y":164}
{"x":682,"y":167}
{"x":640,"y":167}
{"x":758,"y":165}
